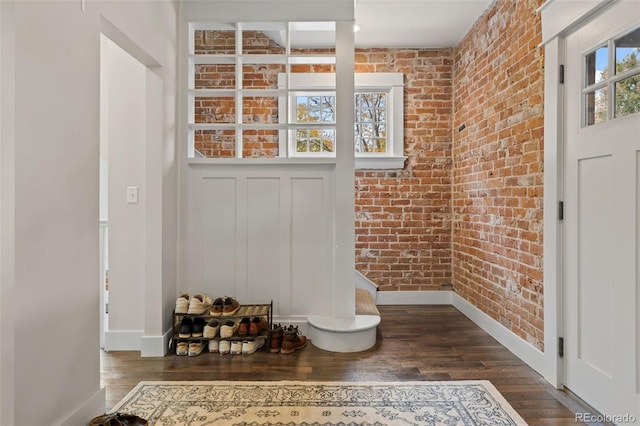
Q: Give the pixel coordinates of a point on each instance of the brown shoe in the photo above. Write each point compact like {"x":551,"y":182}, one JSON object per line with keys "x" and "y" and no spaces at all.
{"x":276,"y":338}
{"x":258,"y":324}
{"x":292,"y":340}
{"x":230,"y":307}
{"x":217,"y":307}
{"x":243,"y":328}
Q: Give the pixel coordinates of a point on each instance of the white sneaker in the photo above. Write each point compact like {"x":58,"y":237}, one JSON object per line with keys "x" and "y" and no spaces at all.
{"x":236,"y":347}
{"x":213,"y":346}
{"x":199,"y":304}
{"x":250,"y":346}
{"x":224,"y":347}
{"x":195,"y":348}
{"x":228,"y":328}
{"x":211,"y":329}
{"x":182,"y":348}
{"x":182,"y":303}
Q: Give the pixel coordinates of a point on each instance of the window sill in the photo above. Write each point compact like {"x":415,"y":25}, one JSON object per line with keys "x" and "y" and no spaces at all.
{"x":361,"y":163}
{"x":259,"y":161}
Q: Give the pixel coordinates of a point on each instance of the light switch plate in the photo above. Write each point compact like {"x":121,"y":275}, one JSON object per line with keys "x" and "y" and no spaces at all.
{"x":132,"y":195}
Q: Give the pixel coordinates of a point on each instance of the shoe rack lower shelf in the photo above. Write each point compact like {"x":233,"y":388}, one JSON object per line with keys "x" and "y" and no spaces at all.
{"x":264,"y":310}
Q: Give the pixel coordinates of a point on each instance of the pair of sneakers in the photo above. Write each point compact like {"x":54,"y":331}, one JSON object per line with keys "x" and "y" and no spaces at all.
{"x":197,"y":304}
{"x":224,"y":307}
{"x":194,"y":348}
{"x":236,"y":347}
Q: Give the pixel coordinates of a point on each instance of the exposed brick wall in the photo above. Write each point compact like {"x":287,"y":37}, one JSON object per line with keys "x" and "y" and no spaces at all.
{"x":403,"y":217}
{"x":497,"y":167}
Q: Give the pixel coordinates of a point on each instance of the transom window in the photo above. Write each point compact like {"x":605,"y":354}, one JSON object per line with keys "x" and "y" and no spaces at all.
{"x":612,"y":79}
{"x":267,"y":90}
{"x":378,"y":125}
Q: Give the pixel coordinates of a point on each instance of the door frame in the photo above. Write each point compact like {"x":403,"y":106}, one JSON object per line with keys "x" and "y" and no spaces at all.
{"x":558,"y":20}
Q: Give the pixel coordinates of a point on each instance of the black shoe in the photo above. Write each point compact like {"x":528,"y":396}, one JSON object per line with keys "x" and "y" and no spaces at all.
{"x":185,"y":327}
{"x":197,"y":328}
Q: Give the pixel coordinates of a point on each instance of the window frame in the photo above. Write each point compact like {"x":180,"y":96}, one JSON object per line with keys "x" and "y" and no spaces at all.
{"x":322,"y":83}
{"x":608,"y":83}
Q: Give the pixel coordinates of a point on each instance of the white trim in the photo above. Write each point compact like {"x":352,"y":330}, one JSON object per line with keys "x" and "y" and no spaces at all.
{"x":94,"y":406}
{"x":388,"y":81}
{"x":533,"y":357}
{"x":553,"y":230}
{"x":122,"y":340}
{"x":558,"y":16}
{"x":153,"y":346}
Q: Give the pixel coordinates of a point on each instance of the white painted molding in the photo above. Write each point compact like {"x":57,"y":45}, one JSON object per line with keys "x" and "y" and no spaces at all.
{"x":533,"y":357}
{"x":94,"y":406}
{"x":151,"y":346}
{"x":559,"y":16}
{"x":553,"y":230}
{"x":122,"y":340}
{"x":414,"y":298}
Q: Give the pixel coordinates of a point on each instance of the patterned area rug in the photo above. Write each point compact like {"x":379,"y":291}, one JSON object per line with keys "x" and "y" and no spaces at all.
{"x":319,"y":403}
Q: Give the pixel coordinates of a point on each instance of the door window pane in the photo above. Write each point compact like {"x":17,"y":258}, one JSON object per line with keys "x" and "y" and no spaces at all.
{"x":596,"y":102}
{"x":628,"y":96}
{"x":628,"y":51}
{"x":596,"y":66}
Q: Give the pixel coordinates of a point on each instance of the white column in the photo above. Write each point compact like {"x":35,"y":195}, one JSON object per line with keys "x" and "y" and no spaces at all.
{"x":344,"y":231}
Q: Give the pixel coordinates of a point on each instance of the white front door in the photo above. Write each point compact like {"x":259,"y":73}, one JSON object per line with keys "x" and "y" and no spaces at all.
{"x":602,"y":197}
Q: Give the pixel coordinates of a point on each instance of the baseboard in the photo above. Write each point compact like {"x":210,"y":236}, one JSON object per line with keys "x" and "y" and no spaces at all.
{"x":94,"y":406}
{"x":414,"y":298}
{"x":532,"y":356}
{"x":154,"y":346}
{"x":122,"y":340}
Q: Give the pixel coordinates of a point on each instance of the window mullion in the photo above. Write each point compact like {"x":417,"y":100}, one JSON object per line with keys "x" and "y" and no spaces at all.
{"x":239,"y":87}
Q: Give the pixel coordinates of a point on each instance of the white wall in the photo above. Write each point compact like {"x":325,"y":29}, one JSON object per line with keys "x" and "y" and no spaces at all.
{"x":55,"y":312}
{"x":7,"y":218}
{"x":125,"y":116}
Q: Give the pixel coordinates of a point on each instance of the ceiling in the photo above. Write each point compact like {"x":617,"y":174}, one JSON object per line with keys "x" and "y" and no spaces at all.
{"x":415,"y":23}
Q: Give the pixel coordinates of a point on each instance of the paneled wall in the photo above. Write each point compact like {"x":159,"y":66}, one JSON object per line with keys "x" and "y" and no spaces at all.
{"x":263,"y":232}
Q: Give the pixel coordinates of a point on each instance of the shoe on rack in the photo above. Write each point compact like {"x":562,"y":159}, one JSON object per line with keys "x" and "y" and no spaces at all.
{"x":228,"y":328}
{"x":292,"y":340}
{"x":211,"y":329}
{"x":199,"y":304}
{"x":214,"y":345}
{"x":182,"y":303}
{"x":182,"y":348}
{"x":230,"y":307}
{"x":276,"y":338}
{"x":185,"y":327}
{"x":236,"y":347}
{"x":196,"y":348}
{"x":197,"y":327}
{"x":243,"y":327}
{"x":224,"y":347}
{"x":258,"y":324}
{"x":250,"y":346}
{"x":217,"y":307}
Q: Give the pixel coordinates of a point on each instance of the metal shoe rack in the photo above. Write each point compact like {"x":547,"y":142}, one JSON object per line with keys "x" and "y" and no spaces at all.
{"x":264,"y":310}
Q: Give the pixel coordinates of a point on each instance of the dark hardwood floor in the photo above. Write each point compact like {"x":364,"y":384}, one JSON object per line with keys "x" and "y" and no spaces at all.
{"x":414,"y":343}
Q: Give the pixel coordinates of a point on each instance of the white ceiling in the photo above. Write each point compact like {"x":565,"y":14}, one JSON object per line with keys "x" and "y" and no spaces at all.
{"x":415,"y":23}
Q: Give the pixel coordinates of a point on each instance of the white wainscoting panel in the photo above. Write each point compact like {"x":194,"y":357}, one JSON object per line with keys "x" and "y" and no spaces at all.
{"x":262,"y":233}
